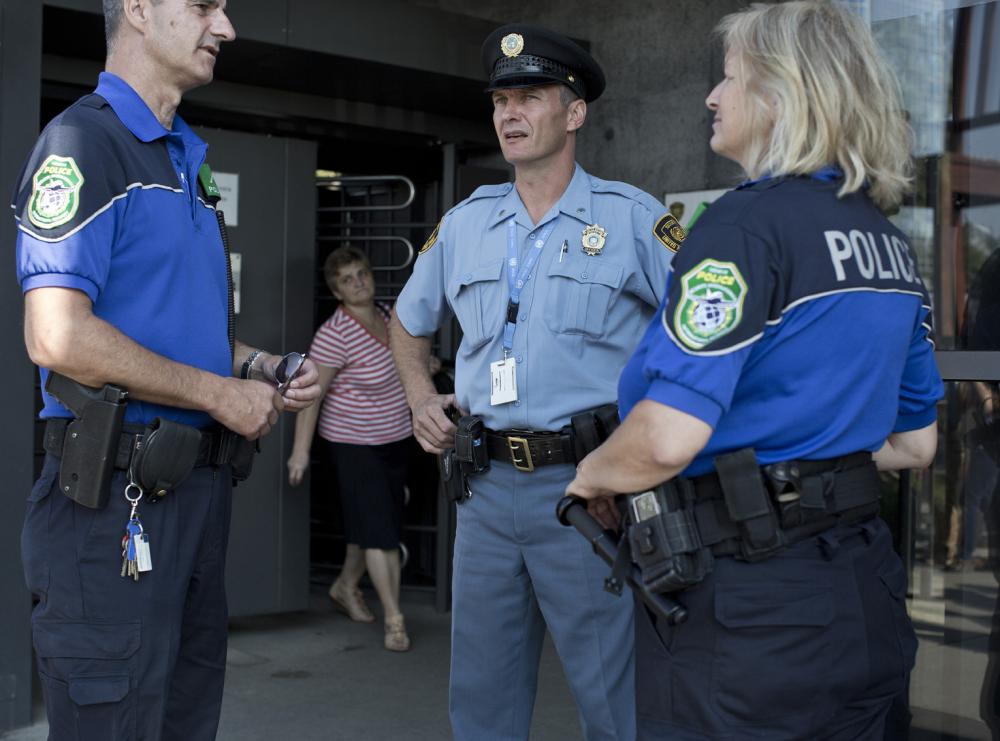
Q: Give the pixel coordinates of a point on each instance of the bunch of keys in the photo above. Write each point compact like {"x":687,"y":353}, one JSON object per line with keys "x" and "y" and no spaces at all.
{"x":135,"y":542}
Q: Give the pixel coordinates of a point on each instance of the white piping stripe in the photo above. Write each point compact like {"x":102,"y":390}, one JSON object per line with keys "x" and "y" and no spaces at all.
{"x":96,"y":213}
{"x":775,"y":322}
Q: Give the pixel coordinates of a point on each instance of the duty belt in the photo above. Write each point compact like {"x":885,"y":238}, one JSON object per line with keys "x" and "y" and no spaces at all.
{"x":806,"y":498}
{"x":527,"y":449}
{"x":215,"y":449}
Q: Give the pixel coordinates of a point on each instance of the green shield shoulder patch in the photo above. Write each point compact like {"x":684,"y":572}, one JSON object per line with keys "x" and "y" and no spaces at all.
{"x":55,"y":192}
{"x":711,"y":303}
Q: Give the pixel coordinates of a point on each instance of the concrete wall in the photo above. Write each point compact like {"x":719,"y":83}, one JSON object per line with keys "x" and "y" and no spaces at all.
{"x":651,"y":127}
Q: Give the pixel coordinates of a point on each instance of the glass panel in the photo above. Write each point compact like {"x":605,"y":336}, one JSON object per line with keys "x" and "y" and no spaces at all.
{"x":953,"y":547}
{"x":947,"y":57}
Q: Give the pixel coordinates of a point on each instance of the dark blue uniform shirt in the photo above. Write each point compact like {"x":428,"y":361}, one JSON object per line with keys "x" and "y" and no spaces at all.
{"x":795,"y":323}
{"x":108,"y":204}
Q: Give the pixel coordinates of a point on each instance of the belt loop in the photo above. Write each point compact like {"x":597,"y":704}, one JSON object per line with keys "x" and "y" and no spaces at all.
{"x":829,"y":544}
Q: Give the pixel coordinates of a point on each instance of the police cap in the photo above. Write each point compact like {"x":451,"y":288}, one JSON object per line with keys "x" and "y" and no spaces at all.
{"x":522,"y":55}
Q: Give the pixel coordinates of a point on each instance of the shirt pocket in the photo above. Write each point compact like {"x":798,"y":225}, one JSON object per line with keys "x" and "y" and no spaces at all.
{"x":477,"y":298}
{"x":581,"y":292}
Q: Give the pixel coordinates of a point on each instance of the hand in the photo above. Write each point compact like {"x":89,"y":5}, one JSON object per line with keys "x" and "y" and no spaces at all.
{"x":431,"y":426}
{"x":600,"y":502}
{"x":298,"y":464}
{"x":303,"y":390}
{"x":248,"y":408}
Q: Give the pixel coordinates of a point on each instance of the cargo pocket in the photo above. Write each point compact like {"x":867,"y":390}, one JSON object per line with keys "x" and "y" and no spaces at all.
{"x":893,"y":578}
{"x":772,"y":654}
{"x":35,"y":539}
{"x":581,"y":293}
{"x":477,"y":298}
{"x":88,"y":670}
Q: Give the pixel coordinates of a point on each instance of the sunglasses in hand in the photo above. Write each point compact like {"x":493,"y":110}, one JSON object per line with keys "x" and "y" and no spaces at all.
{"x":288,"y":368}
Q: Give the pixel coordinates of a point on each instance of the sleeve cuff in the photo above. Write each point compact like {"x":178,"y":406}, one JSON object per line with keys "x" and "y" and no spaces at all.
{"x":915,"y":420}
{"x":60,"y":280}
{"x":413,"y":326}
{"x":686,"y":400}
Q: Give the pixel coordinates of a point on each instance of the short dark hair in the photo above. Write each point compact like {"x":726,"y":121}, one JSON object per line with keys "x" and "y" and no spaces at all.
{"x":341,"y":258}
{"x":113,"y":19}
{"x":567,"y":94}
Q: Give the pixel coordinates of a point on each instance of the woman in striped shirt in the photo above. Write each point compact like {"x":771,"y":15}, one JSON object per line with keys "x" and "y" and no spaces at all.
{"x":364,"y":421}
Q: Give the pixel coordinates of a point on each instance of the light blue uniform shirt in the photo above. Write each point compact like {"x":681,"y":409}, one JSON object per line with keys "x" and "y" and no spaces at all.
{"x":579,"y":318}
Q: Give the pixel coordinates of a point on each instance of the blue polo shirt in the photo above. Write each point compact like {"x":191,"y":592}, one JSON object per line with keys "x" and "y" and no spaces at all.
{"x":580,"y":313}
{"x":108,"y":204}
{"x":796,"y":323}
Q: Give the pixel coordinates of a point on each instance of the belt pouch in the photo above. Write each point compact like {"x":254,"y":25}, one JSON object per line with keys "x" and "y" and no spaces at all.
{"x":748,"y":503}
{"x":591,"y":428}
{"x":470,"y":445}
{"x":165,"y":456}
{"x":243,"y":452}
{"x":88,"y":454}
{"x":665,"y":542}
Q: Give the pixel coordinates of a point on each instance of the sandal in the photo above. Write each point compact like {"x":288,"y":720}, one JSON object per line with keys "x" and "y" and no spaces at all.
{"x":351,"y":603}
{"x":395,"y":634}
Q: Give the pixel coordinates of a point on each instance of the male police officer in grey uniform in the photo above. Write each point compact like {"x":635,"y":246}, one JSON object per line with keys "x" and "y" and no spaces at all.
{"x":553,"y":279}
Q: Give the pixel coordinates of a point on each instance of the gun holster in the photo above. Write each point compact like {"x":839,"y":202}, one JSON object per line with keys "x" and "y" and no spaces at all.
{"x":90,"y":446}
{"x":164,"y":456}
{"x":456,"y":488}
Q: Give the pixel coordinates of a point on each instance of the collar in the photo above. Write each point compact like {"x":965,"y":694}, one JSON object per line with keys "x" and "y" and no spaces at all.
{"x":575,"y":201}
{"x":131,"y":109}
{"x":827,"y":174}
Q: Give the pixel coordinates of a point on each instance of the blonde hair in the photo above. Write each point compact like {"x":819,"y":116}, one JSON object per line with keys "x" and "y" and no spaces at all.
{"x":812,"y":70}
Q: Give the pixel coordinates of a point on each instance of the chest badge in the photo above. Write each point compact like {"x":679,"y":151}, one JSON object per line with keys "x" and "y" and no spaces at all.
{"x":593,"y":239}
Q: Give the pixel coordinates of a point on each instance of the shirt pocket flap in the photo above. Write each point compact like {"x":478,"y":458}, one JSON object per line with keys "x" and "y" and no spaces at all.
{"x":97,"y":690}
{"x":490,"y":271}
{"x":591,"y":270}
{"x":749,"y":606}
{"x":76,"y":640}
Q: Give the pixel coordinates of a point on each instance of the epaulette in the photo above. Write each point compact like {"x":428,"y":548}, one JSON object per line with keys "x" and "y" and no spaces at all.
{"x":484,"y":191}
{"x":480,"y":193}
{"x":626,"y":191}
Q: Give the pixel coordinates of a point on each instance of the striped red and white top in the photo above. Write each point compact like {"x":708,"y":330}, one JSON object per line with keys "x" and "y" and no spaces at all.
{"x":365,"y":404}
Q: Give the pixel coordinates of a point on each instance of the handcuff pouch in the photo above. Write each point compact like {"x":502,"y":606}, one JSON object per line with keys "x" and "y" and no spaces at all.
{"x":164,"y":456}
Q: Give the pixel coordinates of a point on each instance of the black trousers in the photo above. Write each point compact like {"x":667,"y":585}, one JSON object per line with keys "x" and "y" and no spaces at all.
{"x":121,"y":659}
{"x":813,"y":643}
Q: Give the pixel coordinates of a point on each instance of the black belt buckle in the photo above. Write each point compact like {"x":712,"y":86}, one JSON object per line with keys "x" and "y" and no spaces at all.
{"x":520,"y":453}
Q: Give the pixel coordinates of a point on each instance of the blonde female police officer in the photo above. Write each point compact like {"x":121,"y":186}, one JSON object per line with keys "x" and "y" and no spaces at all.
{"x":579,"y":260}
{"x":797,"y":326}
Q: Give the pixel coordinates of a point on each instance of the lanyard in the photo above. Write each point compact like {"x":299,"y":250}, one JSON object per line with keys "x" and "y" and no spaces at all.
{"x":516,"y":278}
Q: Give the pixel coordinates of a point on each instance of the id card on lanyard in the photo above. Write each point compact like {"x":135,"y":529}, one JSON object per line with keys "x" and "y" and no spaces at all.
{"x":503,"y":373}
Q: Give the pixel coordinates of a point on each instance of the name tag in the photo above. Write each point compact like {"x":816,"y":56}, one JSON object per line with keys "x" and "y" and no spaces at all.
{"x":503,"y":382}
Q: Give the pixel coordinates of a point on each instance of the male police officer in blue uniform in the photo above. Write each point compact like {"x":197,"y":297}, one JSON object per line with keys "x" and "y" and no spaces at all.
{"x":122,"y":263}
{"x":552,"y":279}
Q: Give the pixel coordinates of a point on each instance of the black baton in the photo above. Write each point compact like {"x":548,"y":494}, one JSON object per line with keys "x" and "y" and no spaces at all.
{"x":573,"y":511}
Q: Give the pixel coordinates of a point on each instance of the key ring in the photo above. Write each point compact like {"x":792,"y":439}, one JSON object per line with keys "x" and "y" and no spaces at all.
{"x":133,"y":485}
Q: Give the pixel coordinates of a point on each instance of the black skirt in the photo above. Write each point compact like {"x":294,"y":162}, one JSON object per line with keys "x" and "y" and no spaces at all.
{"x":371,"y":479}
